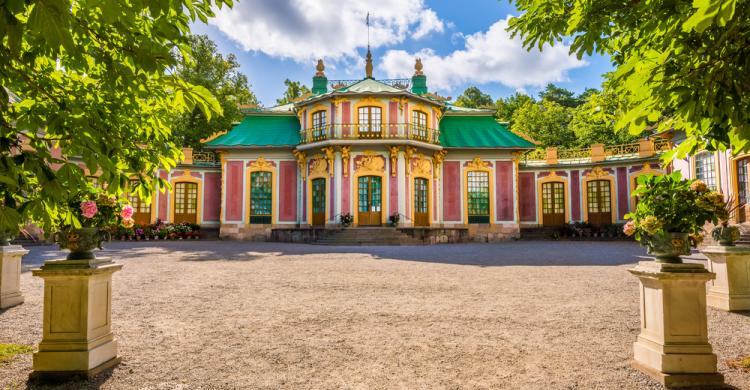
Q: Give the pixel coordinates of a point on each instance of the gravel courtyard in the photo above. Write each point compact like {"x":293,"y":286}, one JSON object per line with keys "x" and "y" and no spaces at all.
{"x":226,"y":315}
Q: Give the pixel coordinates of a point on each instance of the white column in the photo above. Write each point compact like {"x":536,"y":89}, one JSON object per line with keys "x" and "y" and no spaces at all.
{"x":401,"y":180}
{"x":337,"y":174}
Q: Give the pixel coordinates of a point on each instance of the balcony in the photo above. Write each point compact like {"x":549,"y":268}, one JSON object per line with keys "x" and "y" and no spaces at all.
{"x":385,"y":131}
{"x":644,"y":148}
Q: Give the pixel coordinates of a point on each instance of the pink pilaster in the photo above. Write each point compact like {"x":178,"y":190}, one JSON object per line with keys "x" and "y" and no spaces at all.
{"x":211,"y":196}
{"x":288,"y":191}
{"x":623,"y":201}
{"x":527,"y":196}
{"x":452,"y":191}
{"x":575,"y":195}
{"x":504,"y":190}
{"x":346,"y":117}
{"x":234,"y":194}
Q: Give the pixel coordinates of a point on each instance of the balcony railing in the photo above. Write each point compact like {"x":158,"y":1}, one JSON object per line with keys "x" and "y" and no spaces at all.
{"x":644,"y":148}
{"x":387,"y":131}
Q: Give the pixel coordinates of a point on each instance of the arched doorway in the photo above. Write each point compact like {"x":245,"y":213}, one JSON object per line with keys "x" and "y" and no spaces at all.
{"x":553,"y":203}
{"x":421,"y":202}
{"x":599,"y":202}
{"x":319,"y":201}
{"x":185,"y":202}
{"x":370,"y":200}
{"x":141,"y":209}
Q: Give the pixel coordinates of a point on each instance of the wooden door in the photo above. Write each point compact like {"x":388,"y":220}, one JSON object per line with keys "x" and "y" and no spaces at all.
{"x":743,"y":191}
{"x":421,"y":202}
{"x":370,"y":195}
{"x":553,"y":204}
{"x":599,"y":202}
{"x":141,"y":209}
{"x":319,"y":202}
{"x":185,"y":202}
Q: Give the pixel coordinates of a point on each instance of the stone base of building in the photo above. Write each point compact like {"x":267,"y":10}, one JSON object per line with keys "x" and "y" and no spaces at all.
{"x":238,"y":231}
{"x":494,"y":233}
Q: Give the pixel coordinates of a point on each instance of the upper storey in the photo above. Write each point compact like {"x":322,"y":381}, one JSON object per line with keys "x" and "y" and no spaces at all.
{"x":369,"y":111}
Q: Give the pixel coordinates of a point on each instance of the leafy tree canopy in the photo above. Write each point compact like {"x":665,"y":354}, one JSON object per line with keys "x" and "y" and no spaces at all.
{"x":294,"y":91}
{"x":506,"y":107}
{"x":208,"y":68}
{"x":594,"y":122}
{"x":677,"y":65}
{"x":546,"y":122}
{"x":93,"y":80}
{"x":473,"y":97}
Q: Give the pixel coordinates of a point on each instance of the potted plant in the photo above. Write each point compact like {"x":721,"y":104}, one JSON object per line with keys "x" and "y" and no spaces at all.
{"x":393,"y":219}
{"x":346,"y":219}
{"x":724,"y":234}
{"x":86,"y":223}
{"x":671,"y":209}
{"x":138,"y":232}
{"x":162,"y":233}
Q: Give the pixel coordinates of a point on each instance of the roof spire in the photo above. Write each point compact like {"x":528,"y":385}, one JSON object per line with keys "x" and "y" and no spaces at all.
{"x":368,"y":64}
{"x":368,"y":59}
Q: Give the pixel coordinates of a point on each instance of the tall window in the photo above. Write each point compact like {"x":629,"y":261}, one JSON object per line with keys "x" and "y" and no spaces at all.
{"x":742,"y":185}
{"x":599,"y":199}
{"x":186,"y":202}
{"x":319,"y":125}
{"x":370,"y":122}
{"x":141,"y":209}
{"x":479,"y":197}
{"x":705,"y":169}
{"x":261,"y":196}
{"x":419,"y":124}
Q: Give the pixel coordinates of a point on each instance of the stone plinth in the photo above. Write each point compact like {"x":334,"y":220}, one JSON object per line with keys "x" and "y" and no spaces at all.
{"x":77,"y":339}
{"x":730,"y":290}
{"x":673,"y":344}
{"x":10,"y":275}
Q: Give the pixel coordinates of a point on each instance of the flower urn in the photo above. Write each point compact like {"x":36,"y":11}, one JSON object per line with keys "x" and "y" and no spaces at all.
{"x":667,"y":247}
{"x":725,"y":235}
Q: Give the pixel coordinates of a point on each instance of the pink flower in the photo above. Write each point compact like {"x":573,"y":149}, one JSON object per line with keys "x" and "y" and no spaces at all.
{"x":629,"y":228}
{"x":127,"y":212}
{"x":88,"y":209}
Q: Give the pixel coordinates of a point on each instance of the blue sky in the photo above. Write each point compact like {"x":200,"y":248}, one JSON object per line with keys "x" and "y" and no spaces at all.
{"x":461,"y":44}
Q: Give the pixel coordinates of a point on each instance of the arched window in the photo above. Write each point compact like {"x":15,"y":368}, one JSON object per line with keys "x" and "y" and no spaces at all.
{"x":419,"y":125}
{"x":478,"y":192}
{"x":261,"y":197}
{"x":705,"y":169}
{"x":186,"y":202}
{"x":370,"y":122}
{"x":319,"y":125}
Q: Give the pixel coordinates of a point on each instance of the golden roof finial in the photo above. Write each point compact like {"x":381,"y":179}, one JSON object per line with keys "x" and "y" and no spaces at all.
{"x":320,"y":68}
{"x":368,"y":63}
{"x":418,"y":67}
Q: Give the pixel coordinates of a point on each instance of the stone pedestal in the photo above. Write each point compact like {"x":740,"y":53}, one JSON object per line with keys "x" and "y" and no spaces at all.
{"x":673,"y":344}
{"x":10,"y":275}
{"x":77,"y":339}
{"x":731,"y":289}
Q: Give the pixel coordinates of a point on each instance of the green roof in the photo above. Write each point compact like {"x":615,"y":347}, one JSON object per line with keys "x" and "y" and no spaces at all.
{"x":261,"y":130}
{"x":473,"y":131}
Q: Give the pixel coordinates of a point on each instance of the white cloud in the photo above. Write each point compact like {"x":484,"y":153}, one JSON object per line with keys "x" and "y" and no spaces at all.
{"x":303,"y":30}
{"x":491,"y":56}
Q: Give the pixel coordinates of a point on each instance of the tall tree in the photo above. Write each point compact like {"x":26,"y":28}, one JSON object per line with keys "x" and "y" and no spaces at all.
{"x":594,"y":121}
{"x":473,"y":97}
{"x":546,"y":122}
{"x":559,"y":95}
{"x":506,"y":107}
{"x":93,"y":79}
{"x":208,"y":68}
{"x":677,"y":65}
{"x":294,"y":91}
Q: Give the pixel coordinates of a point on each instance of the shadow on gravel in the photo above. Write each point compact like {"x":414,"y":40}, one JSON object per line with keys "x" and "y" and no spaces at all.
{"x":518,"y":253}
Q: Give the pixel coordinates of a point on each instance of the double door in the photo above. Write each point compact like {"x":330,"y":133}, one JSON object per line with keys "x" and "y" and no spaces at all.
{"x":370,"y":199}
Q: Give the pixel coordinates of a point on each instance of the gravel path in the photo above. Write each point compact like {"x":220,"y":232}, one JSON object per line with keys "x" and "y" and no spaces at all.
{"x":216,"y":315}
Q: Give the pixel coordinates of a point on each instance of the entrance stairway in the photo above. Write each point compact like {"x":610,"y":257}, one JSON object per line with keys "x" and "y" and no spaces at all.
{"x":744,"y":235}
{"x":367,"y":236}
